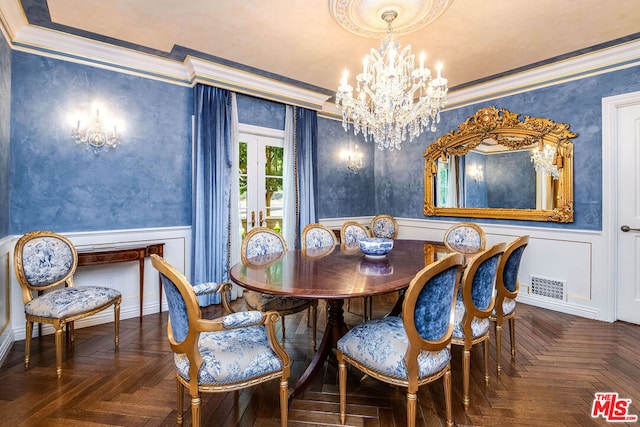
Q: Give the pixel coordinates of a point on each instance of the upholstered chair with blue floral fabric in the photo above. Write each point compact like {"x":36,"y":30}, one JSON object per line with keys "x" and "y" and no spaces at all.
{"x":507,"y":286}
{"x":44,"y":263}
{"x":474,"y":306}
{"x":256,"y":246}
{"x":411,"y":350}
{"x":317,"y":236}
{"x":350,"y":234}
{"x":465,"y":237}
{"x":385,"y":226}
{"x":230,"y":353}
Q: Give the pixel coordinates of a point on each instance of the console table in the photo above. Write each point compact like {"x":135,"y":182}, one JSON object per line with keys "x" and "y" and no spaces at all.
{"x":124,"y":254}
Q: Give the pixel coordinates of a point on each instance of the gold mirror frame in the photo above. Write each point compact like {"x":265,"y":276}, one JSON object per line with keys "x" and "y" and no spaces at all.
{"x":506,"y":129}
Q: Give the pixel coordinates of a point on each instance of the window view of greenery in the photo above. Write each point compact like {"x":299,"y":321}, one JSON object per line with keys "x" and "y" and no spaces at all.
{"x":273,"y":195}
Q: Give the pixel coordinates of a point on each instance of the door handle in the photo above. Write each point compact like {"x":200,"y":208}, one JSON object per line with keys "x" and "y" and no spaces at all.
{"x":260,"y":220}
{"x":626,"y":228}
{"x":253,"y":219}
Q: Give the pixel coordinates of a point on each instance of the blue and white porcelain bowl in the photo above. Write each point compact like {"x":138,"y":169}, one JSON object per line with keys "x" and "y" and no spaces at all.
{"x":375,"y":246}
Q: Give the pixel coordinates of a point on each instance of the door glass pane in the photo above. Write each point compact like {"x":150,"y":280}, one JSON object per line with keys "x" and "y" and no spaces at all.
{"x":242,"y":204}
{"x":274,"y":185}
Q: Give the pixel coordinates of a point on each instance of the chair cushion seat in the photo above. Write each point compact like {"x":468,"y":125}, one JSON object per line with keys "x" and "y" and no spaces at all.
{"x":264,"y":302}
{"x":479,"y":327}
{"x":508,"y":306}
{"x":232,"y":356}
{"x":68,"y":302}
{"x":381,"y":344}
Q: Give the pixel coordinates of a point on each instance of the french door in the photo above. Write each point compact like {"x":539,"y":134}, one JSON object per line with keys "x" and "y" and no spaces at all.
{"x":261,"y":185}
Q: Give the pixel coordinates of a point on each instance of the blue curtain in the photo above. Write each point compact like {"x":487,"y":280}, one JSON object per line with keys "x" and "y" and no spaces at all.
{"x":211,"y":199}
{"x":306,"y":137}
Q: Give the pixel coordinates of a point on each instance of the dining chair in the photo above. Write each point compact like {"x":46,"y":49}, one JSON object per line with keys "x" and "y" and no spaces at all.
{"x":262,"y":241}
{"x":350,"y":234}
{"x":233,"y":352}
{"x":465,"y":237}
{"x":474,"y":305}
{"x":385,"y":226}
{"x":411,"y":350}
{"x":44,"y":263}
{"x":317,"y":236}
{"x":507,"y":286}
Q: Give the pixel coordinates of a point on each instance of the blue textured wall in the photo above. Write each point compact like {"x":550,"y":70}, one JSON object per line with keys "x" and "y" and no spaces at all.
{"x":146,"y":182}
{"x":5,"y":119}
{"x":57,"y":185}
{"x":343,"y":193}
{"x":399,"y":175}
{"x":260,"y":112}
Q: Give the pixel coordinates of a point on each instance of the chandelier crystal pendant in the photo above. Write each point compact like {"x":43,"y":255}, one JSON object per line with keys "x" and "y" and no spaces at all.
{"x":395,"y":100}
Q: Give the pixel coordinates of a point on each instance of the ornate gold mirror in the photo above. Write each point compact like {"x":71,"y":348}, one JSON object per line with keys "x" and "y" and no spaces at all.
{"x":497,"y":166}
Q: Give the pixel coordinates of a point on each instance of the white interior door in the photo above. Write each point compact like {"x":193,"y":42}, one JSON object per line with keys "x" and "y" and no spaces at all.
{"x":628,"y":195}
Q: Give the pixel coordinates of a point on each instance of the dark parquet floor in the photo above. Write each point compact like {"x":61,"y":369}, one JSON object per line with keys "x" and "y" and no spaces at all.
{"x":561,"y":362}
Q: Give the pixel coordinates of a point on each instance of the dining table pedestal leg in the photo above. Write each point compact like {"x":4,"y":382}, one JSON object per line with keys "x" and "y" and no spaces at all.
{"x":336,"y":328}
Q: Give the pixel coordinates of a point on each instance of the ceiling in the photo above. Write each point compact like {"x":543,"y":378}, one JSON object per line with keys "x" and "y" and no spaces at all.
{"x":300,"y":40}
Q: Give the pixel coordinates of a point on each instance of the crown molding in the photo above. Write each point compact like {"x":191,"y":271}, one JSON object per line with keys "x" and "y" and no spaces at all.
{"x":610,"y":59}
{"x":67,"y":47}
{"x":55,"y":44}
{"x":201,"y":71}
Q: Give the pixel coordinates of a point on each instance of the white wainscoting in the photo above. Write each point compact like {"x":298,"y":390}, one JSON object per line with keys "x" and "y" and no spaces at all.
{"x":575,"y":257}
{"x":122,"y":276}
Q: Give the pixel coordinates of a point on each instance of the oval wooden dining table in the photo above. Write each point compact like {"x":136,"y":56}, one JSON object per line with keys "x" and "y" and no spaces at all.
{"x":333,"y":274}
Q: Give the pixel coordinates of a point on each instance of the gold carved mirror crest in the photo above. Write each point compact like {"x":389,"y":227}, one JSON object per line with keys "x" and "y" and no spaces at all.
{"x":496,"y":165}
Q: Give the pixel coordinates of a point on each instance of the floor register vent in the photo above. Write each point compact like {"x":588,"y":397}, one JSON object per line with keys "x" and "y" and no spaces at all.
{"x":549,"y":288}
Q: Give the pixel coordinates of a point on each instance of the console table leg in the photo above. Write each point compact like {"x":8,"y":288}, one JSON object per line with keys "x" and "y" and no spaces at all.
{"x":141,"y":286}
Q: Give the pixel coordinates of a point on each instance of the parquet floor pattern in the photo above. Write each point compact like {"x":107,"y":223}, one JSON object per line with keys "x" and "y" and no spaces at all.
{"x":561,"y":361}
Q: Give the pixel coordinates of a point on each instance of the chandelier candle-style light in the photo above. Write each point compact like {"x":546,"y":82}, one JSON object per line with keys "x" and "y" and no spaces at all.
{"x":95,"y":134}
{"x":395,"y":100}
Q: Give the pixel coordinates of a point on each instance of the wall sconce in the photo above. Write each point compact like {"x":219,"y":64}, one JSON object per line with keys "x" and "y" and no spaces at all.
{"x":475,"y":172}
{"x":98,"y":132}
{"x":353,"y":159}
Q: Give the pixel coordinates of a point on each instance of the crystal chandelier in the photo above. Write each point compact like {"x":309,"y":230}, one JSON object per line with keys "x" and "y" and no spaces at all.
{"x":95,"y":134}
{"x":544,"y":161}
{"x":395,"y":100}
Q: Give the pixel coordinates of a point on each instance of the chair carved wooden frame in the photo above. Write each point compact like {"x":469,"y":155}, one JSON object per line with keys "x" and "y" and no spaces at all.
{"x":44,"y":260}
{"x":261,"y":241}
{"x":236,"y":351}
{"x":507,"y":287}
{"x":411,"y":350}
{"x":474,"y":306}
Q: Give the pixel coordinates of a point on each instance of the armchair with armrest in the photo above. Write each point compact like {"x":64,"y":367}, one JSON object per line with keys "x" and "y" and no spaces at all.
{"x":236,"y":351}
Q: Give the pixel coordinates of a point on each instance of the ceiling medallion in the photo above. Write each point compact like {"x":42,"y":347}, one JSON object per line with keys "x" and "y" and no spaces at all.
{"x":362,"y":17}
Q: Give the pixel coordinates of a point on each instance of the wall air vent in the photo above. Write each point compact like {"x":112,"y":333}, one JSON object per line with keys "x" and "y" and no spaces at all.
{"x":549,"y":288}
